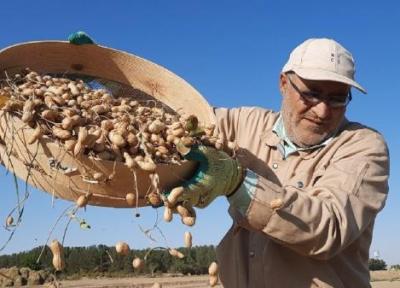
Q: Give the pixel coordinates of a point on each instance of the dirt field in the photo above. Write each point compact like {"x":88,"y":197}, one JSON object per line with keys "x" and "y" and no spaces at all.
{"x":141,"y":282}
{"x":380,"y":279}
{"x":385,"y":279}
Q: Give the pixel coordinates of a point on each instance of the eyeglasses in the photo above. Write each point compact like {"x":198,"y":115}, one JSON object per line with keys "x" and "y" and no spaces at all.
{"x":314,"y":98}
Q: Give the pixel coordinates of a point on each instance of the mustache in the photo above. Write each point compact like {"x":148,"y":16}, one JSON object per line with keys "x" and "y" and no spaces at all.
{"x":315,"y":118}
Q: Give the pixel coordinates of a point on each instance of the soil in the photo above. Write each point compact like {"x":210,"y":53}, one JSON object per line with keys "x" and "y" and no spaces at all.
{"x":380,"y":279}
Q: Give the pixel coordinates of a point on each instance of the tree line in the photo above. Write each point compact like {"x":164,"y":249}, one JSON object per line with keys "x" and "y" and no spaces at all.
{"x":103,"y":260}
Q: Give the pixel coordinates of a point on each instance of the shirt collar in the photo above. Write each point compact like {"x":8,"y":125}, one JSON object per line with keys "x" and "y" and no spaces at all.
{"x":278,"y":137}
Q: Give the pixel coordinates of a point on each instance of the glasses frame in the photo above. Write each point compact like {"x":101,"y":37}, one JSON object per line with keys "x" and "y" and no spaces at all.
{"x":316,"y":98}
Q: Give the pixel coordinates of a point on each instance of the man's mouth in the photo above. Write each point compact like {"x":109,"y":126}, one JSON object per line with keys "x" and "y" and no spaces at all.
{"x":315,"y":122}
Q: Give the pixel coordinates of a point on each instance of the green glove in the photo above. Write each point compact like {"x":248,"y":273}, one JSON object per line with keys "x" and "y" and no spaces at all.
{"x":80,"y":38}
{"x":217,"y":174}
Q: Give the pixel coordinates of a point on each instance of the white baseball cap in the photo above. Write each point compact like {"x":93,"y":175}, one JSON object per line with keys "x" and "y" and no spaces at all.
{"x":323,"y":59}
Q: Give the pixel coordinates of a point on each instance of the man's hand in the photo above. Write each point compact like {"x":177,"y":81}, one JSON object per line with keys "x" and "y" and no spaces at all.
{"x":80,"y":38}
{"x":217,"y":174}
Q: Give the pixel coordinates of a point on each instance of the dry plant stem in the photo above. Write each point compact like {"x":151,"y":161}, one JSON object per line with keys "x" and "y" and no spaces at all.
{"x":9,"y":81}
{"x":52,"y":230}
{"x":153,"y":249}
{"x":8,"y":155}
{"x":55,"y":176}
{"x":147,"y":232}
{"x":67,"y":225}
{"x":161,"y":233}
{"x":65,"y":230}
{"x":136,"y":191}
{"x":21,"y":202}
{"x":109,"y":256}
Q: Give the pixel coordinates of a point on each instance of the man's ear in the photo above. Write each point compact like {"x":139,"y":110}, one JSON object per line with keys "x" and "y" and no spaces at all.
{"x":283,"y":83}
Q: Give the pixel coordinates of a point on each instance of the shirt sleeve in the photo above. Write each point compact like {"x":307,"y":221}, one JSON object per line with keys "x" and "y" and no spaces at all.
{"x":231,"y":122}
{"x":324,"y":219}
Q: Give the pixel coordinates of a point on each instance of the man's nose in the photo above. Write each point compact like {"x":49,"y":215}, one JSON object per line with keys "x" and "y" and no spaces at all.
{"x":322,"y":110}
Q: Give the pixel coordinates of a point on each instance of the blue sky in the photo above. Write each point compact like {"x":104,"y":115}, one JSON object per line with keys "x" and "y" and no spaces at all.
{"x":232,"y":52}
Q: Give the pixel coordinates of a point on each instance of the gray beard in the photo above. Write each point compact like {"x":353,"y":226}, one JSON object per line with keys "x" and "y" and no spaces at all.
{"x":293,"y":137}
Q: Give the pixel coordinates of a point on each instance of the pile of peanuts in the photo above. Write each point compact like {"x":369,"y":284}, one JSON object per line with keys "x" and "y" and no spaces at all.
{"x":95,"y":123}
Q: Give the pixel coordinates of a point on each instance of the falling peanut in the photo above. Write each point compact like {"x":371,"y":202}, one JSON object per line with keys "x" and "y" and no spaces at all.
{"x":176,"y":253}
{"x":189,"y":221}
{"x":213,"y":280}
{"x":58,"y":255}
{"x":122,"y":248}
{"x":9,"y":221}
{"x":182,"y":210}
{"x":168,"y":214}
{"x":188,"y":214}
{"x":188,"y":239}
{"x":137,"y":263}
{"x":213,"y":269}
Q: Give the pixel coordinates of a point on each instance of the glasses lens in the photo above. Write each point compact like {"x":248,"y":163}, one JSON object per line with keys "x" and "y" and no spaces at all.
{"x":314,"y":98}
{"x":336,"y":104}
{"x":340,"y":103}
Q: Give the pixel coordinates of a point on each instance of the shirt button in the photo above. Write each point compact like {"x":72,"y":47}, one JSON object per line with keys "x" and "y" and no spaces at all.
{"x":275,"y":165}
{"x":300,"y":184}
{"x":252,"y":254}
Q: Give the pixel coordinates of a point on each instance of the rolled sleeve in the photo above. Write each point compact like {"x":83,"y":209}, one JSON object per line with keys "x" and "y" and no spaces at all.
{"x":242,"y":198}
{"x":255,"y":200}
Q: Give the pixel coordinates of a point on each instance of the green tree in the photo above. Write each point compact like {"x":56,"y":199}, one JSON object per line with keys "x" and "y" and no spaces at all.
{"x":29,"y":260}
{"x":376,"y":264}
{"x":103,"y":260}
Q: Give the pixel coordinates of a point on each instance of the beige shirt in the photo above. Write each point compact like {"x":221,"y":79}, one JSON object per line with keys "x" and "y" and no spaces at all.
{"x":320,"y":236}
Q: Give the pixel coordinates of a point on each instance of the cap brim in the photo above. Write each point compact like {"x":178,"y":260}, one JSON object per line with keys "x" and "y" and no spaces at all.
{"x":323,"y":75}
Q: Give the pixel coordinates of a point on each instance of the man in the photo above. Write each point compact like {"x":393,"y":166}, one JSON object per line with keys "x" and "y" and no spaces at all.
{"x":307,"y":183}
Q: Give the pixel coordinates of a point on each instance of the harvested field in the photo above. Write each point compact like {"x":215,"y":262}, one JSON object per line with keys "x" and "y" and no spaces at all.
{"x":380,"y":279}
{"x":141,"y":282}
{"x":385,"y":279}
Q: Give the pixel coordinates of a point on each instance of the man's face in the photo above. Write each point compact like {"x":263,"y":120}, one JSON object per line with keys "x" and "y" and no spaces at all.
{"x":307,"y":123}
